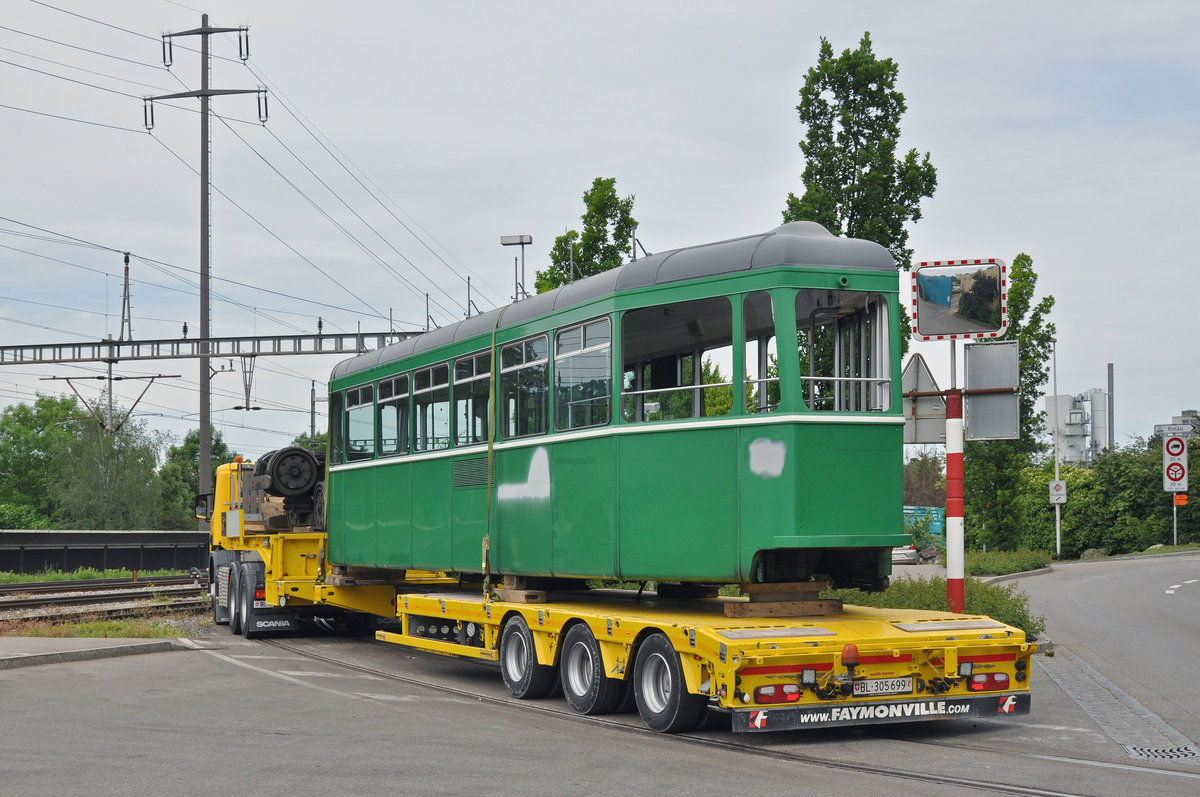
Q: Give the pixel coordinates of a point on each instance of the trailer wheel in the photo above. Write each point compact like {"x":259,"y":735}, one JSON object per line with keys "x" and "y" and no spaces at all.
{"x":661,"y":693}
{"x":234,"y":593}
{"x":523,"y":676}
{"x":246,"y":610}
{"x":585,"y":685}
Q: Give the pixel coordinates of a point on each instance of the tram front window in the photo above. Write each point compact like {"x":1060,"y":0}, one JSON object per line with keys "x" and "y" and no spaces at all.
{"x":843,"y":346}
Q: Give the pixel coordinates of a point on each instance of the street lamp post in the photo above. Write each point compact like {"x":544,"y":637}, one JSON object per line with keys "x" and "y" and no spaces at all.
{"x":1057,"y":507}
{"x":521,"y":241}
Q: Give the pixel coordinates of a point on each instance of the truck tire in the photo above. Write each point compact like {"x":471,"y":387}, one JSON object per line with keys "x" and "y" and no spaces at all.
{"x":523,"y":676}
{"x":234,"y":592}
{"x":585,"y":684}
{"x":214,"y":591}
{"x":662,"y":697}
{"x":246,"y":610}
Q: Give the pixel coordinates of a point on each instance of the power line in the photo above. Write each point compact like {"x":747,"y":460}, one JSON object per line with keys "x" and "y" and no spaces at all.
{"x":71,"y":80}
{"x":81,"y":69}
{"x":363,"y":247}
{"x":272,"y":233}
{"x":155,"y":67}
{"x":72,"y":119}
{"x":305,"y":123}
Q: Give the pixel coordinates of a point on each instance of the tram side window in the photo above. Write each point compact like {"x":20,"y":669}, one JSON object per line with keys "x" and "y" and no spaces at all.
{"x":525,"y":387}
{"x":678,"y":361}
{"x":761,"y":356}
{"x":392,"y":416}
{"x":360,"y":423}
{"x":337,"y":432}
{"x":431,"y":408}
{"x":844,"y":350}
{"x":583,"y":375}
{"x":471,"y":386}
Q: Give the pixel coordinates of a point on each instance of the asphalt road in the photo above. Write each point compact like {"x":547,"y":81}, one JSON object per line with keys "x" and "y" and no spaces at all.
{"x":354,"y":716}
{"x":1135,"y":620}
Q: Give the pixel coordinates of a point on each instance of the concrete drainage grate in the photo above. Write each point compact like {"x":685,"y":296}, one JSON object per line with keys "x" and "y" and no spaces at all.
{"x":1162,"y":753}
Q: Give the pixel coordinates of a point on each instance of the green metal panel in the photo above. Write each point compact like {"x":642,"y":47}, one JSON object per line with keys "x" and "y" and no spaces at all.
{"x":521,"y":540}
{"x":849,"y":485}
{"x":393,"y":514}
{"x":469,"y":527}
{"x":585,"y":507}
{"x":678,"y":504}
{"x":352,"y":523}
{"x":431,"y":513}
{"x":768,"y":457}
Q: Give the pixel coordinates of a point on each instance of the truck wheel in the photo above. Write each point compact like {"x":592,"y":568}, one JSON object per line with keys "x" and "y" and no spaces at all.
{"x":218,"y":617}
{"x":234,"y":593}
{"x":246,"y":610}
{"x":661,"y":693}
{"x":585,"y":684}
{"x":523,"y":676}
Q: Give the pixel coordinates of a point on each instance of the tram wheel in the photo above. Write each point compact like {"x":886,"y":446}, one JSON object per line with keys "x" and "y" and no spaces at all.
{"x":661,"y":693}
{"x":585,"y":684}
{"x":524,"y":678}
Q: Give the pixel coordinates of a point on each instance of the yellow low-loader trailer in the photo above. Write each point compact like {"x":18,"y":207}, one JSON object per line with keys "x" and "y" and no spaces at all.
{"x":676,"y":659}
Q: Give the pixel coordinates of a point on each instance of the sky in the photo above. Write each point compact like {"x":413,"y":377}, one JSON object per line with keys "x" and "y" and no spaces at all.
{"x":404,"y":138}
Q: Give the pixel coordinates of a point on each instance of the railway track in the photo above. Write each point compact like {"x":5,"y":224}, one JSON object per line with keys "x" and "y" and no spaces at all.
{"x":107,"y":597}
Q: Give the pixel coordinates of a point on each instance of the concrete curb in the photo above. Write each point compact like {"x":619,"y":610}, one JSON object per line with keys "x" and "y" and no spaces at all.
{"x":88,"y":654}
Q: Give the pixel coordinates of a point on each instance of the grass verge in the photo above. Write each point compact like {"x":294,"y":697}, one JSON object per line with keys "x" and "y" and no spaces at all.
{"x":1003,"y":602}
{"x":189,"y":624}
{"x":82,"y":574}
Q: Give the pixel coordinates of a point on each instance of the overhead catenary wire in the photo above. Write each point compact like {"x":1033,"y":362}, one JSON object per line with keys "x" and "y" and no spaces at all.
{"x":341,"y":159}
{"x":337,"y":225}
{"x":272,"y":233}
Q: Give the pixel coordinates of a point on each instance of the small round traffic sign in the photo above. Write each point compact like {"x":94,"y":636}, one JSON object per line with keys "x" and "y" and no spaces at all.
{"x":1174,"y":446}
{"x":1175,"y":472}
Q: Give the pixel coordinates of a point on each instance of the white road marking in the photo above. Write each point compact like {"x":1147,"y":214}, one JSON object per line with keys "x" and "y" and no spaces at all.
{"x":319,"y":674}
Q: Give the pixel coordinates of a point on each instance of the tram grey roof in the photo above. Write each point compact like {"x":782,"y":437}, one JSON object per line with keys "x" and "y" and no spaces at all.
{"x":798,"y":243}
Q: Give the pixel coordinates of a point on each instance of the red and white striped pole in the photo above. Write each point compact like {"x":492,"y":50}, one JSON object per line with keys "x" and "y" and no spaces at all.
{"x":955,"y":596}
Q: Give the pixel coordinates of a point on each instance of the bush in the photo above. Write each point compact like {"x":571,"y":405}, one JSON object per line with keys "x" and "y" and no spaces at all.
{"x":999,"y":563}
{"x":1002,"y":602}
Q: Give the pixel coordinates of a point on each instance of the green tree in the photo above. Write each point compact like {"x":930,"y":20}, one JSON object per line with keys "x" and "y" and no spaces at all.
{"x":924,"y":480}
{"x":13,"y":516}
{"x":109,"y":481}
{"x":854,"y":184}
{"x":32,"y":437}
{"x":180,"y":475}
{"x":605,"y":240}
{"x":992,"y":470}
{"x":321,"y":440}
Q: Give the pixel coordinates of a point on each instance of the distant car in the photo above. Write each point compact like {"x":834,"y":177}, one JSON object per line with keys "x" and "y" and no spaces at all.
{"x":906,"y":555}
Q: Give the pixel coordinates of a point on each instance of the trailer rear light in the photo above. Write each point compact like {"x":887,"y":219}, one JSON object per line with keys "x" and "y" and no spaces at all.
{"x":777,"y":693}
{"x":808,"y":677}
{"x":260,"y":594}
{"x":988,"y":682}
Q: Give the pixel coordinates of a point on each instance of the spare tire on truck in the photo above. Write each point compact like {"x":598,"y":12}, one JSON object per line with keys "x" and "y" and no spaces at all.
{"x":294,"y":472}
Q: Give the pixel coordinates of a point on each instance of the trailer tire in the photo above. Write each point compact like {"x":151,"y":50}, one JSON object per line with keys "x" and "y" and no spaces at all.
{"x":585,"y":685}
{"x":524,"y":678}
{"x":234,"y":594}
{"x":660,"y":690}
{"x":246,"y":610}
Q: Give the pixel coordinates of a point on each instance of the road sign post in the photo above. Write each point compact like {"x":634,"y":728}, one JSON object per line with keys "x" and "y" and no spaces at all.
{"x":1175,"y":475}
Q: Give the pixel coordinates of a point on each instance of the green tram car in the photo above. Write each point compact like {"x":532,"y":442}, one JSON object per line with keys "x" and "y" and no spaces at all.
{"x":654,"y":422}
